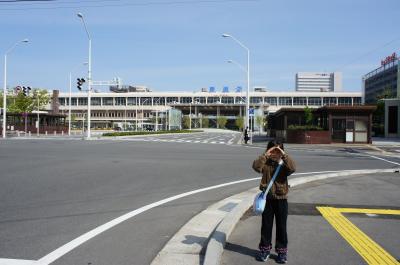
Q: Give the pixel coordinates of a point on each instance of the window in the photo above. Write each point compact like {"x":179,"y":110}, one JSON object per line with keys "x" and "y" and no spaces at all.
{"x":300,"y":101}
{"x":357,"y":101}
{"x":145,"y":101}
{"x":159,"y":101}
{"x":211,"y":100}
{"x":329,"y":101}
{"x":186,"y":100}
{"x":61,"y":101}
{"x":344,"y":101}
{"x":73,"y":101}
{"x":131,"y":101}
{"x":82,"y":101}
{"x":227,"y":100}
{"x":314,"y":101}
{"x":172,"y":100}
{"x":285,"y":101}
{"x":240,"y":100}
{"x":270,"y":100}
{"x":108,"y":101}
{"x":255,"y":100}
{"x":120,"y":101}
{"x":201,"y":100}
{"x":95,"y":101}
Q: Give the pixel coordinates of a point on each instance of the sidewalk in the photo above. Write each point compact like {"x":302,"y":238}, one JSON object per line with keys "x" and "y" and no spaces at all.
{"x":313,"y":240}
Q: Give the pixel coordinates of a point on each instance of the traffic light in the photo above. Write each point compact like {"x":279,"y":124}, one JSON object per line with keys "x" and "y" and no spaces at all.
{"x":26,"y":90}
{"x":17,"y":89}
{"x":79,"y":83}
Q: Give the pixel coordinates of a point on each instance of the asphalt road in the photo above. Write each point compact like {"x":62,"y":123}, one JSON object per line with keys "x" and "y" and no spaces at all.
{"x":312,"y":239}
{"x":53,"y":191}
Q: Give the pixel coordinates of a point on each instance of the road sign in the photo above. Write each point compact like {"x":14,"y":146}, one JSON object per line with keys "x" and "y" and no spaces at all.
{"x":251,"y":111}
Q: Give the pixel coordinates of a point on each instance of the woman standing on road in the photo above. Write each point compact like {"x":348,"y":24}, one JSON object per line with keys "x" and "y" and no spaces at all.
{"x":276,"y":204}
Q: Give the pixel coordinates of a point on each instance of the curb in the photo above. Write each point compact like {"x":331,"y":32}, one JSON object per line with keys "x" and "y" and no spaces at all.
{"x":223,"y":231}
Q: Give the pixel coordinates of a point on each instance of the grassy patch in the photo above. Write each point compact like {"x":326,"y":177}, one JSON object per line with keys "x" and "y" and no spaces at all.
{"x":148,"y":133}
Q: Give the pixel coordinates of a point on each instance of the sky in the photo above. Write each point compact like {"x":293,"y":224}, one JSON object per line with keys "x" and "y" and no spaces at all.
{"x":176,"y":45}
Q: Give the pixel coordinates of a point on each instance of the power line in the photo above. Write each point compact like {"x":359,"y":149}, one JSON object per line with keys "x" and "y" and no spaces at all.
{"x":366,"y":54}
{"x":20,"y":1}
{"x":166,"y":3}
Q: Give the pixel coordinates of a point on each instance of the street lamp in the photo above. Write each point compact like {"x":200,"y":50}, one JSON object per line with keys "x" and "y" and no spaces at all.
{"x":89,"y":73}
{"x":5,"y":84}
{"x":248,"y":75}
{"x":70,"y":95}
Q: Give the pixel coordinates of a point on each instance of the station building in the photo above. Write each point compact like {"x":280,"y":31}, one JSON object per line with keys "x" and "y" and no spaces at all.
{"x":111,"y":109}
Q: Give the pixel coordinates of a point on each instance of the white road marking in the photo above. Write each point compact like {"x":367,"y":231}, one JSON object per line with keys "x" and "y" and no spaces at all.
{"x":371,"y":214}
{"x":17,"y":262}
{"x":392,"y":162}
{"x":61,"y":251}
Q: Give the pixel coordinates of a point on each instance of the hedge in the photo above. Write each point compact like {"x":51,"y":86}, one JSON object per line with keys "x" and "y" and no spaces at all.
{"x":148,"y":133}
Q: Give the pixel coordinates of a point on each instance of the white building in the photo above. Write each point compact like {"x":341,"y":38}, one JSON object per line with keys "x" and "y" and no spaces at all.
{"x":318,"y":82}
{"x":133,"y":108}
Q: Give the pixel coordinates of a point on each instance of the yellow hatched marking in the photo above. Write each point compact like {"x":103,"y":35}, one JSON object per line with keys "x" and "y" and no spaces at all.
{"x":370,"y":211}
{"x":370,"y":251}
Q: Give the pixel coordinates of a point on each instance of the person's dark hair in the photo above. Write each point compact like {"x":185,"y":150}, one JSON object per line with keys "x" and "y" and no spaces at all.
{"x":273,"y":143}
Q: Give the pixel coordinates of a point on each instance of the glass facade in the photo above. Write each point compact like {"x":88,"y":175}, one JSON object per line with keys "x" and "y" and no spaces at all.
{"x":285,"y":101}
{"x":300,"y":101}
{"x":270,"y":100}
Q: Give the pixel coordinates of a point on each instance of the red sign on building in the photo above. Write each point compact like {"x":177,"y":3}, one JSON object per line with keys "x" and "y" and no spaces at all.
{"x":389,"y":59}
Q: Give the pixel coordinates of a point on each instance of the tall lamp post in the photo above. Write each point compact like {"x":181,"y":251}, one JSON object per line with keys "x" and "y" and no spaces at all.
{"x":242,"y":68}
{"x":69,"y":100}
{"x":5,"y":85}
{"x":248,"y":76}
{"x":89,"y":74}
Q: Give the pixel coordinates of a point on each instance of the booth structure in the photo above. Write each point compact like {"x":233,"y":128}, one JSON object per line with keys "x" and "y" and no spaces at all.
{"x":27,"y":122}
{"x":392,"y":114}
{"x":339,"y":124}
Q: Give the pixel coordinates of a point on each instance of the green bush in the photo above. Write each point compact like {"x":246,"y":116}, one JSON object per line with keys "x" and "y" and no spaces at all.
{"x":146,"y":133}
{"x":305,"y":128}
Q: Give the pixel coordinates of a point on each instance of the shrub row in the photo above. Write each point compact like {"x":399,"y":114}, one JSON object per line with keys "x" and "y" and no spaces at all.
{"x":146,"y":133}
{"x":305,"y":127}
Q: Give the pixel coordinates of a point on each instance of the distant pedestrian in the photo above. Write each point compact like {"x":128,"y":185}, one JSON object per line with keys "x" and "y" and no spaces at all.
{"x":276,"y":204}
{"x":246,"y":135}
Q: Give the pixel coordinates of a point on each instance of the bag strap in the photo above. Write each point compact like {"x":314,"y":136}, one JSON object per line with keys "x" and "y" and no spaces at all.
{"x":273,"y":178}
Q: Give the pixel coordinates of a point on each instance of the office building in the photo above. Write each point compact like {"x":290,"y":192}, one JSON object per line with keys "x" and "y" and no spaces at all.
{"x":318,"y":82}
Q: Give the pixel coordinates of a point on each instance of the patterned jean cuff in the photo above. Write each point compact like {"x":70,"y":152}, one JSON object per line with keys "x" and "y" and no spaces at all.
{"x":281,"y":250}
{"x":265,"y":248}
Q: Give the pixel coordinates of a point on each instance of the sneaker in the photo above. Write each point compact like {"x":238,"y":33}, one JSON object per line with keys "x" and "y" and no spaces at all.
{"x":282,"y":258}
{"x":263,"y":256}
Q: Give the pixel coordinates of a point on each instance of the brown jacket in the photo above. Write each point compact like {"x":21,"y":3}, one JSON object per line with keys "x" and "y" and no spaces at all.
{"x":280,"y":188}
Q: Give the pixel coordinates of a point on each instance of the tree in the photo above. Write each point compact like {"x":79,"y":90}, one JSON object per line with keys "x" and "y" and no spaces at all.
{"x":260,"y":121}
{"x":42,"y":96}
{"x":239,"y":122}
{"x":222,"y":120}
{"x":26,"y":104}
{"x":186,"y":122}
{"x":205,"y":122}
{"x":21,"y":104}
{"x":308,"y":116}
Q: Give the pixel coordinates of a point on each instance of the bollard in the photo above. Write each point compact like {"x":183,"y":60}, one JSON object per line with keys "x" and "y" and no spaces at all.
{"x":55,"y":132}
{"x":62,"y":133}
{"x":29,"y":133}
{"x":45,"y":133}
{"x":18,"y":134}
